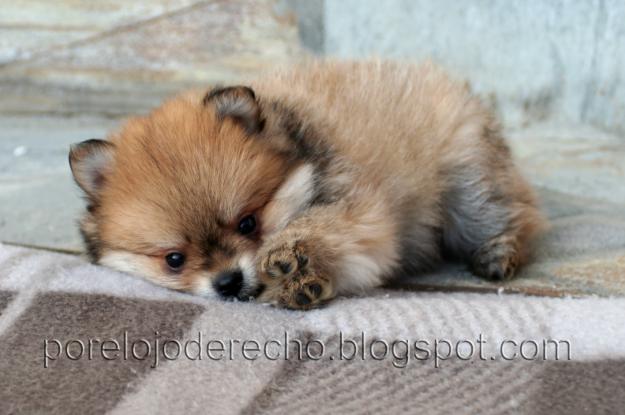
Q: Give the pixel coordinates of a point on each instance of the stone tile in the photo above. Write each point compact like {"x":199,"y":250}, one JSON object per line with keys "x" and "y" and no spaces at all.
{"x":583,"y":253}
{"x":19,"y":43}
{"x":39,"y":202}
{"x":234,"y":36}
{"x":539,"y":60}
{"x":207,"y":42}
{"x":36,"y":97}
{"x":40,"y":212}
{"x":93,"y":15}
{"x":33,"y":26}
{"x":578,"y":160}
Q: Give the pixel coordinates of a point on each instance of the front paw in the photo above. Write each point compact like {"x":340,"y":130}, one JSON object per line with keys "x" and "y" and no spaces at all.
{"x":293,"y":278}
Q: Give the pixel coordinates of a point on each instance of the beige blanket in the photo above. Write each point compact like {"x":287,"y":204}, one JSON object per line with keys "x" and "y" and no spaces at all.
{"x":76,"y":338}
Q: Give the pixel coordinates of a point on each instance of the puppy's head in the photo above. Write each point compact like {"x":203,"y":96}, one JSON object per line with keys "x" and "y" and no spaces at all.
{"x":186,"y":196}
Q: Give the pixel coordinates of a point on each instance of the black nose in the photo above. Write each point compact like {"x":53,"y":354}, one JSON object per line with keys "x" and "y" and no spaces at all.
{"x":229,"y":283}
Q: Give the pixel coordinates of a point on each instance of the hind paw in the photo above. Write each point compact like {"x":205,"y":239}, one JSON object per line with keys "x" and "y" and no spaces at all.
{"x":496,"y":260}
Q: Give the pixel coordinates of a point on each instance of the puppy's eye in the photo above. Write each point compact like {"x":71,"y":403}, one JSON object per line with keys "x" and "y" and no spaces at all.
{"x":175,"y":260}
{"x":247,"y":225}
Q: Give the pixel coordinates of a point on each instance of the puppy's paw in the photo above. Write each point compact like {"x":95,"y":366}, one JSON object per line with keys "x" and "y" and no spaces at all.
{"x":292,"y":279}
{"x":285,"y":261}
{"x":496,"y":260}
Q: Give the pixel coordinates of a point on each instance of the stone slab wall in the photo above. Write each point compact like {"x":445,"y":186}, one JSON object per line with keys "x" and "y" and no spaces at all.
{"x":537,"y":59}
{"x":533,"y":59}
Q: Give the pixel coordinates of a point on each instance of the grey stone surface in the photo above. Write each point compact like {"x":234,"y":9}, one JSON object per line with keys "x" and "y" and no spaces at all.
{"x":558,"y":60}
{"x":561,"y":59}
{"x":29,"y":27}
{"x":39,"y":203}
{"x":112,"y":57}
{"x":573,"y":159}
{"x":310,"y":19}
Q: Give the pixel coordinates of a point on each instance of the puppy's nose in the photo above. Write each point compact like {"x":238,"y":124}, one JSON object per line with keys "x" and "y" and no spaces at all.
{"x":229,"y":283}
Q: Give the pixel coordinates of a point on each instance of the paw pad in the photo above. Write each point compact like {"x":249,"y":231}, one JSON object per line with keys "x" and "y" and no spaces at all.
{"x":293,"y":277}
{"x":315,"y":289}
{"x":285,"y":267}
{"x":302,"y":299}
{"x":302,"y":260}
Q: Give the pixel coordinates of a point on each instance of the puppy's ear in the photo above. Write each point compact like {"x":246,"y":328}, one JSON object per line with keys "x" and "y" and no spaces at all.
{"x":239,"y":104}
{"x":90,"y":162}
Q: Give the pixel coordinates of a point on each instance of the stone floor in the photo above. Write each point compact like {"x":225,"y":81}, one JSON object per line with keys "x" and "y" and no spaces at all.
{"x":38,"y":200}
{"x":579,"y":171}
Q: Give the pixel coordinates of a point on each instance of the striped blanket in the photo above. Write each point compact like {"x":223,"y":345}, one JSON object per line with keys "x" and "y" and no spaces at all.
{"x":77,"y":338}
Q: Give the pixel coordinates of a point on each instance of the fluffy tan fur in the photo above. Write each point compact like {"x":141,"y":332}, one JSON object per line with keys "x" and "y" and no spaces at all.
{"x":354,"y":171}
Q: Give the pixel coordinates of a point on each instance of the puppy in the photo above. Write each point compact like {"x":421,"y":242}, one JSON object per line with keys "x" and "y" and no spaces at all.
{"x":326,"y":179}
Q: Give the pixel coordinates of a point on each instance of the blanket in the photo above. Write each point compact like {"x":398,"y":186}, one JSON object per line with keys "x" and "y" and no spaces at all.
{"x":79,"y":338}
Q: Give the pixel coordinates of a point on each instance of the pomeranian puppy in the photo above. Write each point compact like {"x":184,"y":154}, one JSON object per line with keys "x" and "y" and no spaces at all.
{"x":322,"y":180}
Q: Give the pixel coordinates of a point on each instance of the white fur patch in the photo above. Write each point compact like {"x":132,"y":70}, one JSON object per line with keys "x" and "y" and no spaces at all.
{"x":250,"y":279}
{"x":204,"y":288}
{"x":291,"y":199}
{"x":147,"y":268}
{"x":358,"y":273}
{"x":128,"y":262}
